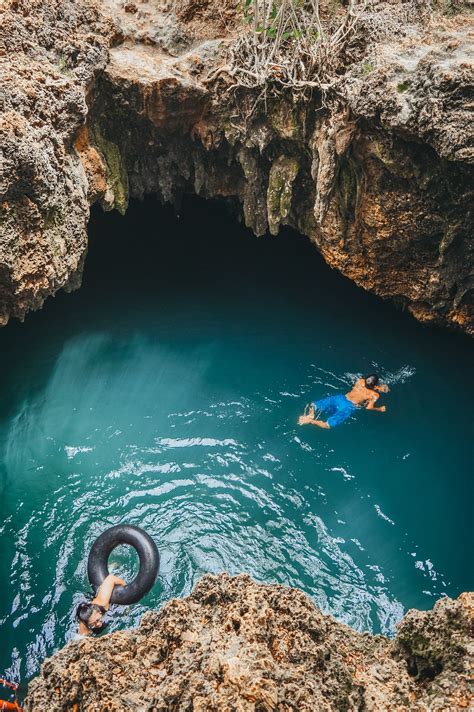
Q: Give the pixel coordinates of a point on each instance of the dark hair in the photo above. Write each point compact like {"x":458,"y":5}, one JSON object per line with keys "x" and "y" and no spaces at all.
{"x":371,"y":380}
{"x":86,"y":609}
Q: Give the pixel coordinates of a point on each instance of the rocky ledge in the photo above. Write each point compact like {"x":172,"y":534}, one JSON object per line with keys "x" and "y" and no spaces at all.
{"x":103,"y":101}
{"x":234,"y":644}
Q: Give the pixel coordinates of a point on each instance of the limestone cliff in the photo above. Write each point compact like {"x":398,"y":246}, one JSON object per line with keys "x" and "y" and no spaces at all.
{"x":237,"y":645}
{"x":111,"y":100}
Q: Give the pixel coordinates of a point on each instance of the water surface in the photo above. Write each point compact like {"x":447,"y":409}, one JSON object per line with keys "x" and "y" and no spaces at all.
{"x":165,"y":393}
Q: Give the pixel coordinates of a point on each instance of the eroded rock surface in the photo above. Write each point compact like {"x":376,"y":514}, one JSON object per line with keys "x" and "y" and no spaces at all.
{"x":103,"y":101}
{"x":49,"y":53}
{"x":234,"y":644}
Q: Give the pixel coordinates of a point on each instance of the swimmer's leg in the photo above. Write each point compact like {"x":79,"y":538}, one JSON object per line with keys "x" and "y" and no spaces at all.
{"x":339,"y":417}
{"x":326,"y":405}
{"x":313,"y":411}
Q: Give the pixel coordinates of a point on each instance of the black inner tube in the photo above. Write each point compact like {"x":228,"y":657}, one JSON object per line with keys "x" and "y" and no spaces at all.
{"x":97,"y":564}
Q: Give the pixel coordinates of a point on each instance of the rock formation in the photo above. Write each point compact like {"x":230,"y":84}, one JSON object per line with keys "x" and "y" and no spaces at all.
{"x":104,"y":101}
{"x":234,"y":644}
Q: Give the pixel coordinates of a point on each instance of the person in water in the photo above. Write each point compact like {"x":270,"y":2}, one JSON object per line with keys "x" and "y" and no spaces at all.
{"x":89,"y":614}
{"x":364,"y":394}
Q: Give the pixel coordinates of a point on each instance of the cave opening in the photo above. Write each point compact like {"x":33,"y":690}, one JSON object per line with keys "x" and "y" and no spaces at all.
{"x":165,"y":393}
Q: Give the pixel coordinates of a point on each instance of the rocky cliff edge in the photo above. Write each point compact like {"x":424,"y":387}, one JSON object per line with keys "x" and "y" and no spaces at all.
{"x":234,"y":644}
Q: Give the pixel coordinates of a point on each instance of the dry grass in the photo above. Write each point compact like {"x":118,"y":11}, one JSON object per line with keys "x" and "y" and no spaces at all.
{"x":288,"y":47}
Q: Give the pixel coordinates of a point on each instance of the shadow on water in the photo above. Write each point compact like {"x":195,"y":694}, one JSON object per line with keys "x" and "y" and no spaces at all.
{"x":165,"y":393}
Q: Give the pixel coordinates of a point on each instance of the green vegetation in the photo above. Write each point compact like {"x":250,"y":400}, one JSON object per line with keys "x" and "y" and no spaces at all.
{"x":289,"y":48}
{"x":117,"y":176}
{"x":403,"y":86}
{"x":268,"y":23}
{"x":63,"y":66}
{"x":280,"y":190}
{"x":367,"y":67}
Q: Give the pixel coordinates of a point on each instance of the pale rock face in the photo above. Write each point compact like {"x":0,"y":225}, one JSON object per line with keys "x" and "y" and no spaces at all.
{"x":234,"y":644}
{"x":109,"y":101}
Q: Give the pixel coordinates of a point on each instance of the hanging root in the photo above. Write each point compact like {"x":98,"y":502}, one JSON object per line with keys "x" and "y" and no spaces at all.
{"x":288,"y":47}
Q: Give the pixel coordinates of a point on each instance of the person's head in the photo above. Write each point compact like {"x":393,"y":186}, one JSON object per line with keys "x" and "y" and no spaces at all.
{"x":90,"y":614}
{"x":371,"y":381}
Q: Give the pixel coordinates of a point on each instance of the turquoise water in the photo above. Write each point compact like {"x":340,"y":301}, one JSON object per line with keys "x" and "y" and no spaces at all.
{"x":165,"y":394}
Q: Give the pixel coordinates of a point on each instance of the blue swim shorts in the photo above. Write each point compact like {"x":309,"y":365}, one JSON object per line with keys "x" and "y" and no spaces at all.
{"x":339,"y":409}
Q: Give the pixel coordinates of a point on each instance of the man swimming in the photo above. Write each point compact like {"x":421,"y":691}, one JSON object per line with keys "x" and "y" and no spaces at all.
{"x":89,"y":614}
{"x":364,"y":394}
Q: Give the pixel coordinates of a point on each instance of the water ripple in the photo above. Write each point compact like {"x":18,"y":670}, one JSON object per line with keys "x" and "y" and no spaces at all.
{"x":231,"y":484}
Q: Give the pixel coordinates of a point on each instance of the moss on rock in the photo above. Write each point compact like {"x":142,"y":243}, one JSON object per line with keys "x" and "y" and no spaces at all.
{"x":117,"y":178}
{"x":285,"y":121}
{"x":280,"y":190}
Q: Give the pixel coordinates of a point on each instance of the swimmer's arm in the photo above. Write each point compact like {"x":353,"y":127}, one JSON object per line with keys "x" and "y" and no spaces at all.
{"x":371,"y":404}
{"x":382,"y":388}
{"x":104,"y":593}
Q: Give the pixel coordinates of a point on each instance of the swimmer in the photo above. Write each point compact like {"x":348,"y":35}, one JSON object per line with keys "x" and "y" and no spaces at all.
{"x":89,"y":614}
{"x":364,"y":394}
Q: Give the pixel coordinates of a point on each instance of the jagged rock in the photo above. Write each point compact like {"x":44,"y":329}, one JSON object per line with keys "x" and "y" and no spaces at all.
{"x":435,"y":641}
{"x":109,"y":101}
{"x":49,"y":53}
{"x":422,"y":86}
{"x":234,"y":644}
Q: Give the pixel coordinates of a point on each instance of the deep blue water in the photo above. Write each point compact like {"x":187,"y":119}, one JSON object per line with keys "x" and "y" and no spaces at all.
{"x":165,"y":393}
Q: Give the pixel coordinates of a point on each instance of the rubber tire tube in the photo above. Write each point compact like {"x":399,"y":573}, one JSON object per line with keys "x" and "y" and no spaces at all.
{"x":97,"y":564}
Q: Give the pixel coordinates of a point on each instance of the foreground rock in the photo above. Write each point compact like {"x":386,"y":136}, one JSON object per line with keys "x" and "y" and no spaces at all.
{"x":237,"y":645}
{"x":107,"y":101}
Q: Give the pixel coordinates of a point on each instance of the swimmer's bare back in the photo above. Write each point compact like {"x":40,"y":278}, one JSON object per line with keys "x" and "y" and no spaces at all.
{"x":367,"y":397}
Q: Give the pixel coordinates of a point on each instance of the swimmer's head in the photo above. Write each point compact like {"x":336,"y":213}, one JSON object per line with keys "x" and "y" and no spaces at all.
{"x":371,"y":381}
{"x":90,"y":614}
